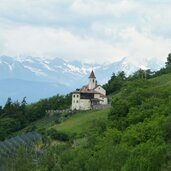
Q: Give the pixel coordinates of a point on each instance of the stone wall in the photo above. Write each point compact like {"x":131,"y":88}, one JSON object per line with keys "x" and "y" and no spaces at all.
{"x":100,"y":106}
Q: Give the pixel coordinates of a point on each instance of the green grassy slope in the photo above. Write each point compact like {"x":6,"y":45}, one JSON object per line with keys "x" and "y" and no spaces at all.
{"x":162,"y":81}
{"x":79,"y":122}
{"x":75,"y":124}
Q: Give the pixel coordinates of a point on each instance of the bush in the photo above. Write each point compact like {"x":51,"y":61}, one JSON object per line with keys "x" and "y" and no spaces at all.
{"x":31,"y":128}
{"x":57,"y":135}
{"x":167,"y":129}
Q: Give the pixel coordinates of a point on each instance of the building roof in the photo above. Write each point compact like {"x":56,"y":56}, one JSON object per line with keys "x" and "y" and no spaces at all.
{"x":102,"y":95}
{"x":85,"y":89}
{"x":92,"y":75}
{"x":78,"y":91}
{"x":96,"y":100}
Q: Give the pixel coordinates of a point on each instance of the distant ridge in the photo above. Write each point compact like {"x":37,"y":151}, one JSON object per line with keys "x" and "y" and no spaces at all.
{"x":38,"y":78}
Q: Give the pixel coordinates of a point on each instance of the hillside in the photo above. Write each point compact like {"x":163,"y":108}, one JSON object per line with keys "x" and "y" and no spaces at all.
{"x":77,"y":124}
{"x":134,"y":135}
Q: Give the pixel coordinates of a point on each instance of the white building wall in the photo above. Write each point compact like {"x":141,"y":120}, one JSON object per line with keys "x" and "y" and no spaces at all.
{"x":80,"y":104}
{"x":85,"y":104}
{"x":101,"y":90}
{"x":97,"y":96}
{"x":75,"y":101}
{"x":104,"y":100}
{"x":92,"y":83}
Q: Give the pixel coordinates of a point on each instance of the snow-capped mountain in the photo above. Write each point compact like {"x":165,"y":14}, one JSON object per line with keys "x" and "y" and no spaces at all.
{"x":38,"y":78}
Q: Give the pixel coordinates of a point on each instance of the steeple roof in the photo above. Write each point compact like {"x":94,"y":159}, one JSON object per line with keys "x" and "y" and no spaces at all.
{"x":92,"y":75}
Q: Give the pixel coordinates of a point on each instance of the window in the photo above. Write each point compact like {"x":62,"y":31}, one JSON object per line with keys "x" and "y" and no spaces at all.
{"x":77,"y":95}
{"x":73,"y":101}
{"x":86,"y":96}
{"x":73,"y":95}
{"x":77,"y":101}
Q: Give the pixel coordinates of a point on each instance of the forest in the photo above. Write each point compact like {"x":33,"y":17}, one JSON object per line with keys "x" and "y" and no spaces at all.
{"x":15,"y":116}
{"x":136,"y":136}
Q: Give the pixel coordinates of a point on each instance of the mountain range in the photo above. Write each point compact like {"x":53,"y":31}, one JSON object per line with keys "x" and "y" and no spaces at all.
{"x":38,"y":78}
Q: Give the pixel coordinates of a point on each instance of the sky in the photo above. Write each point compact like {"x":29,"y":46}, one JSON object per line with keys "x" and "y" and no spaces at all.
{"x":95,"y":31}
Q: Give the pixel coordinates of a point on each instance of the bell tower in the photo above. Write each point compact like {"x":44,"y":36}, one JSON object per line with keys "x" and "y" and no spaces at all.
{"x":92,"y":81}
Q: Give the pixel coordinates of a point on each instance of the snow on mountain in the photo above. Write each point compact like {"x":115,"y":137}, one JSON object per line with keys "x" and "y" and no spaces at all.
{"x":37,"y":71}
{"x":39,"y":78}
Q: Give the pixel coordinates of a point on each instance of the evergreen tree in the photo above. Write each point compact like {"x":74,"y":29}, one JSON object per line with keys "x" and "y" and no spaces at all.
{"x":8,"y":106}
{"x":121,"y":75}
{"x":168,"y":63}
{"x":1,"y":110}
{"x":23,"y":105}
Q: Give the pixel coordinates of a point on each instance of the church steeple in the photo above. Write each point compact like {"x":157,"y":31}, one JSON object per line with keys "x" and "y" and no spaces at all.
{"x":92,"y":81}
{"x":92,"y":75}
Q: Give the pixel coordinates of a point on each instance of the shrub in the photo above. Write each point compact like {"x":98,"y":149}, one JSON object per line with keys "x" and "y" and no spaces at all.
{"x":167,"y":129}
{"x":57,"y":135}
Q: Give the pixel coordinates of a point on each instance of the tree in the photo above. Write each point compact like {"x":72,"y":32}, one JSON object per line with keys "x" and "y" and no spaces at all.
{"x":168,"y":63}
{"x":115,"y":83}
{"x":1,"y":110}
{"x":24,"y":101}
{"x":140,"y":74}
{"x":121,"y":75}
{"x":23,"y":105}
{"x":8,"y":106}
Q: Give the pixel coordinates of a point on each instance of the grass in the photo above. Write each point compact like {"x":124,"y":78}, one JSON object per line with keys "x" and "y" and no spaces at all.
{"x":75,"y":124}
{"x":79,"y":122}
{"x":163,"y":79}
{"x":161,"y":83}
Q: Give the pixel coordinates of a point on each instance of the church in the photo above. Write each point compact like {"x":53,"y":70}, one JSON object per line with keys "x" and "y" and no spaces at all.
{"x":89,"y":96}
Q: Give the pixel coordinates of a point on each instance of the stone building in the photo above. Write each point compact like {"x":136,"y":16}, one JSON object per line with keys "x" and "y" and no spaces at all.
{"x":88,"y":96}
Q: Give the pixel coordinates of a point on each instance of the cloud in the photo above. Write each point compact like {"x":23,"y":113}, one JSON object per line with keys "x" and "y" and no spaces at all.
{"x":48,"y":42}
{"x":101,"y":8}
{"x":93,"y":31}
{"x":142,"y":45}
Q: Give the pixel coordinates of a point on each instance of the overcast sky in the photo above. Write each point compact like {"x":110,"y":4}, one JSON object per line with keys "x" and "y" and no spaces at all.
{"x":86,"y":30}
